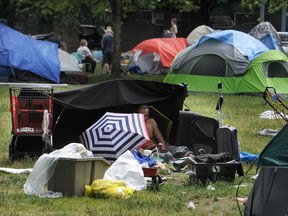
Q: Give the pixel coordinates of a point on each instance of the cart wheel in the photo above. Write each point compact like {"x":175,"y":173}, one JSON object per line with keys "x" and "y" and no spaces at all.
{"x":12,"y":147}
{"x":155,"y":183}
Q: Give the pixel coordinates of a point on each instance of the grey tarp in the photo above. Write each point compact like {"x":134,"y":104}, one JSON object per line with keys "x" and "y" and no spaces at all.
{"x":211,"y":58}
{"x":269,"y":195}
{"x":68,"y":63}
{"x":147,"y":64}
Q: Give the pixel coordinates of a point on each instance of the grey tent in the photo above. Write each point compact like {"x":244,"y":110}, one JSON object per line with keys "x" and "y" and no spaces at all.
{"x":197,"y":33}
{"x":211,"y":58}
{"x":269,"y":195}
{"x":68,"y":63}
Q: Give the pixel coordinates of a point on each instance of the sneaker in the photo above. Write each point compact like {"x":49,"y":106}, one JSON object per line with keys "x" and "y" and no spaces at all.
{"x":182,"y":162}
{"x":201,"y":151}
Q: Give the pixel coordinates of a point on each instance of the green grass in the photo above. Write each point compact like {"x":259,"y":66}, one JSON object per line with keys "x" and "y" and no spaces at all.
{"x":239,"y":111}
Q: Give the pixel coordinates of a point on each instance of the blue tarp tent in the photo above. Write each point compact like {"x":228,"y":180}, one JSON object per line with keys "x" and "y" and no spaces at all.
{"x":24,"y":53}
{"x":246,"y":44}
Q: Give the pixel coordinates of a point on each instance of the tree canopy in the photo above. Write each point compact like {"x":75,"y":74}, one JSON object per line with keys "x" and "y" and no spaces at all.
{"x":72,"y":12}
{"x":273,"y":5}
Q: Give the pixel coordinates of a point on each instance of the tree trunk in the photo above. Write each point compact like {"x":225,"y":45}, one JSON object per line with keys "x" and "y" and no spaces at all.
{"x":116,"y":6}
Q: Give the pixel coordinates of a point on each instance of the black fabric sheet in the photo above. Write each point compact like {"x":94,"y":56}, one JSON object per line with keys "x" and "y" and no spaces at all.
{"x":76,"y":110}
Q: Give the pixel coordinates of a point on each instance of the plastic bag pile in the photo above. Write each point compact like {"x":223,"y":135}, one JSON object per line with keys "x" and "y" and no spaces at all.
{"x":109,"y":188}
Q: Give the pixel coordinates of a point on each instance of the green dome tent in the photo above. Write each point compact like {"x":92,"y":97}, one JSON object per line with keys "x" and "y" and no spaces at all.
{"x":268,"y":69}
{"x":241,"y":62}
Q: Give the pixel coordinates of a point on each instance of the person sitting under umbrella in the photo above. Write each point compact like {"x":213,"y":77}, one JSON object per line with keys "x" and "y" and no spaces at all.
{"x":156,"y":139}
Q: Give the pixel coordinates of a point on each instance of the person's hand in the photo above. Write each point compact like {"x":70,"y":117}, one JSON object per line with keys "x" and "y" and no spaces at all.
{"x":161,"y":147}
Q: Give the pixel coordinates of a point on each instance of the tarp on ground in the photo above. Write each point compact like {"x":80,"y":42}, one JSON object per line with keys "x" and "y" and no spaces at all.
{"x":24,"y":53}
{"x":76,"y":110}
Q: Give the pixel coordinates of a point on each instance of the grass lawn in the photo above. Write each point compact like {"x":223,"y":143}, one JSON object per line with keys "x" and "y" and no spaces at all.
{"x":240,"y":111}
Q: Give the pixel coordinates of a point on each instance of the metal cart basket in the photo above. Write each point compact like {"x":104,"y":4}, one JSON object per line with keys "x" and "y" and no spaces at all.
{"x":31,"y":112}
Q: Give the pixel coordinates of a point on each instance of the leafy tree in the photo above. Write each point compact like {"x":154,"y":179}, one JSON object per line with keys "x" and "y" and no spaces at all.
{"x":72,"y":12}
{"x":120,"y":8}
{"x":273,"y":5}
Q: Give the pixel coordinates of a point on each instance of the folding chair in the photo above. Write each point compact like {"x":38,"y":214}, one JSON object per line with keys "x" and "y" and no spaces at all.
{"x":82,"y":65}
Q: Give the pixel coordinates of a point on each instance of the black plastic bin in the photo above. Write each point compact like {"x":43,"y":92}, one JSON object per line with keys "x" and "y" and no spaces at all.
{"x":215,"y":172}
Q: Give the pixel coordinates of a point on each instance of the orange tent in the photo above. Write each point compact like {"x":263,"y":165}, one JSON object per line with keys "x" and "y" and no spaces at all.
{"x":167,"y":48}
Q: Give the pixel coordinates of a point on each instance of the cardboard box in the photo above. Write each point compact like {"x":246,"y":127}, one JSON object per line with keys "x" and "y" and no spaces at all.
{"x":82,"y":78}
{"x":71,"y":175}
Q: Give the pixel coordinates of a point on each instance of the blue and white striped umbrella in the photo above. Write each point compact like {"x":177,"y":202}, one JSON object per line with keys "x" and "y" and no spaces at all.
{"x":115,"y":133}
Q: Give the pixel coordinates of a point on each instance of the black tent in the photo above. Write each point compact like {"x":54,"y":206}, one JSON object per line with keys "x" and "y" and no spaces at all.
{"x":269,"y":195}
{"x":76,"y":110}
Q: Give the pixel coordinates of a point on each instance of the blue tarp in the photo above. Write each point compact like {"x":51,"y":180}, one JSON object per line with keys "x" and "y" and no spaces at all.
{"x":143,"y":159}
{"x":248,"y":157}
{"x":24,"y":53}
{"x":244,"y":43}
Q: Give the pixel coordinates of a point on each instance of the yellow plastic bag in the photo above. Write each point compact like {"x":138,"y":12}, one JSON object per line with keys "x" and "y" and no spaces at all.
{"x":109,"y":188}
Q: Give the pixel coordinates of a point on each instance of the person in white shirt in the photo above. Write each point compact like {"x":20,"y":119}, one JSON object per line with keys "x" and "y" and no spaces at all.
{"x":173,"y":29}
{"x":86,"y":55}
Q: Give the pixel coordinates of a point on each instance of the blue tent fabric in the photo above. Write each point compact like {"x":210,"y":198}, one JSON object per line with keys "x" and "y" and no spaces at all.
{"x":248,"y":157}
{"x":4,"y":71}
{"x":24,"y":53}
{"x":143,"y":159}
{"x":244,"y":43}
{"x":271,"y":42}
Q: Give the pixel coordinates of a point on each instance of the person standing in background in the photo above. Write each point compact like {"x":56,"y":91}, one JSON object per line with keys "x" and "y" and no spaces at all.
{"x":107,"y":44}
{"x":173,"y":29}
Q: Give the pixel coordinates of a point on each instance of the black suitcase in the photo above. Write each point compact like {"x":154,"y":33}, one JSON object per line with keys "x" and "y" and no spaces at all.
{"x":227,"y":141}
{"x":196,"y":132}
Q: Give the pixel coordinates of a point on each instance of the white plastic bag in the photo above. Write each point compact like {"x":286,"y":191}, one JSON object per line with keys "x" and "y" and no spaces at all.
{"x":44,"y":168}
{"x":127,"y":169}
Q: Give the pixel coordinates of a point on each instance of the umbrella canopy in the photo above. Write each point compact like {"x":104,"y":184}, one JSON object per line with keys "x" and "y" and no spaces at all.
{"x":115,"y":133}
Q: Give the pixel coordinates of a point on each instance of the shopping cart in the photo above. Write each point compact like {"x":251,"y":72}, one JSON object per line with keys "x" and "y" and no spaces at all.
{"x":31,"y":111}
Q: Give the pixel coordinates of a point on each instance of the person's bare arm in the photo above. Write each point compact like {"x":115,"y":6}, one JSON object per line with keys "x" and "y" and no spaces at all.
{"x":158,"y":136}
